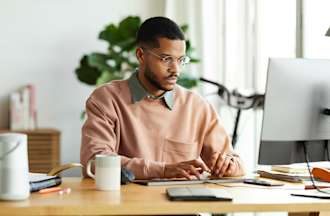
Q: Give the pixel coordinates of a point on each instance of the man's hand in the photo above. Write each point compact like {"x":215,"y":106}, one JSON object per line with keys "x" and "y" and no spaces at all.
{"x":187,"y":169}
{"x":223,"y":164}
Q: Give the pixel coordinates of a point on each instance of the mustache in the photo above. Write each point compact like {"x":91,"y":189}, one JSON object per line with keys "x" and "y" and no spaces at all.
{"x":172,"y":76}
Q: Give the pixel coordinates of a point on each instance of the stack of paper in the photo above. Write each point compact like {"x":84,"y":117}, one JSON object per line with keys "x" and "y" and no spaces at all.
{"x":23,"y":114}
{"x":300,"y":168}
{"x":290,"y":168}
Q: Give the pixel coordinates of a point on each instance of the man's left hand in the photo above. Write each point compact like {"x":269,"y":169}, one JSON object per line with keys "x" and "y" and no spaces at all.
{"x":223,"y":164}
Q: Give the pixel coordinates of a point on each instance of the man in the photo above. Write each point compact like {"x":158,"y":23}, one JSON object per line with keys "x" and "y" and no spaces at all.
{"x":160,"y":129}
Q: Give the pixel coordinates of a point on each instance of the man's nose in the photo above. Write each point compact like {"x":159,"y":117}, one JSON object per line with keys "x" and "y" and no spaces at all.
{"x":175,"y":67}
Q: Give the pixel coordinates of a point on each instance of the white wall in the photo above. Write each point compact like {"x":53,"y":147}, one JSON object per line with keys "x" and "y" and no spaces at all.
{"x":41,"y":43}
{"x":316,"y":23}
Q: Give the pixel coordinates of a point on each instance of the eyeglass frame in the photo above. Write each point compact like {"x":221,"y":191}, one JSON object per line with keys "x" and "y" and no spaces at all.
{"x":164,"y":59}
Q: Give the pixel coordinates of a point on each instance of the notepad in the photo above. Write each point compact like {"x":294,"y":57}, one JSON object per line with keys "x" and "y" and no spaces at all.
{"x":197,"y":194}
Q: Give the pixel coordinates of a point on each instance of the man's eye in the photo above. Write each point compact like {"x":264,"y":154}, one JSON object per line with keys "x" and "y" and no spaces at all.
{"x":167,"y":59}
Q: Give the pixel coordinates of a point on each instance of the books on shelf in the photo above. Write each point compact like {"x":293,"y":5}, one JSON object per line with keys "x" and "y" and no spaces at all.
{"x":23,"y":113}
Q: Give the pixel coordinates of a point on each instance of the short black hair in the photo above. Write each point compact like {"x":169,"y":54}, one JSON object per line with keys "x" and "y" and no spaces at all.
{"x":158,"y":27}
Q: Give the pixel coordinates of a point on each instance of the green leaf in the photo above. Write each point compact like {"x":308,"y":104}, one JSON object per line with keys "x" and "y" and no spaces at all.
{"x":83,"y":115}
{"x":129,"y":26}
{"x":128,"y":45}
{"x":123,"y":35}
{"x":110,"y":34}
{"x":188,"y":47}
{"x":99,"y":61}
{"x":86,"y":73}
{"x":188,"y":81}
{"x":108,"y":76}
{"x":194,"y":60}
{"x":184,"y":28}
{"x":118,"y":58}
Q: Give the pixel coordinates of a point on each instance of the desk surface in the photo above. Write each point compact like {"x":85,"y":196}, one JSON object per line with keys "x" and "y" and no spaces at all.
{"x":139,"y":200}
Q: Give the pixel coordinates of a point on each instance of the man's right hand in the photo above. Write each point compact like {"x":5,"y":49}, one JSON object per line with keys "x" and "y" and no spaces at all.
{"x":186,"y":169}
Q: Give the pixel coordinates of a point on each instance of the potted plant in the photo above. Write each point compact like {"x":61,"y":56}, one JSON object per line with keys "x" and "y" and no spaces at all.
{"x":119,"y":61}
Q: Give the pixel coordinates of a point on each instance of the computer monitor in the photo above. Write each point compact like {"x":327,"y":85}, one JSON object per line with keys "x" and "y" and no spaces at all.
{"x":297,"y":102}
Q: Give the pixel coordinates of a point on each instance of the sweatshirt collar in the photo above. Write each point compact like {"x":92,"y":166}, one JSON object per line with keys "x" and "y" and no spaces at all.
{"x":139,"y":92}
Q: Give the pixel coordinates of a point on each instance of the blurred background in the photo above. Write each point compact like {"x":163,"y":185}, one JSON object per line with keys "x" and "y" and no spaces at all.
{"x":42,"y":42}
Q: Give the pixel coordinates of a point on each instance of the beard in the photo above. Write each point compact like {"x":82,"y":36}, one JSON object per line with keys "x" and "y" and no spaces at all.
{"x":152,"y":79}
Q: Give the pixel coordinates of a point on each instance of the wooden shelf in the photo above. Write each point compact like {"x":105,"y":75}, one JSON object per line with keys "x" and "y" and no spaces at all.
{"x":43,"y":148}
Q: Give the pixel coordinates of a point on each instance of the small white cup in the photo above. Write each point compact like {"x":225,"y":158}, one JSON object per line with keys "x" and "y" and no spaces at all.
{"x":107,"y":171}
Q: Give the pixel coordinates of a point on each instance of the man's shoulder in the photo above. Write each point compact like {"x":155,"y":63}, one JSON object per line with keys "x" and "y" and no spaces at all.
{"x":113,"y":88}
{"x":184,"y":95}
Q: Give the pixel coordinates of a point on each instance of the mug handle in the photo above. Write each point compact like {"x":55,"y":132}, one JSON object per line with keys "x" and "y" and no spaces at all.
{"x":88,"y":169}
{"x":10,"y":151}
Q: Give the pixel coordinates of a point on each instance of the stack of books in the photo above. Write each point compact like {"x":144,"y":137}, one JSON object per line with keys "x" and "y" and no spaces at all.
{"x":23,"y":114}
{"x":292,"y":173}
{"x":40,"y":181}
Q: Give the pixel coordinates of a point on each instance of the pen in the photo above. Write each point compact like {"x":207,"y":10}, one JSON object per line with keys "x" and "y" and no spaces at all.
{"x":49,"y":190}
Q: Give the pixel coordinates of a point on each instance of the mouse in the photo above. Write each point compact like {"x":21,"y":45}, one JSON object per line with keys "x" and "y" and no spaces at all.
{"x":126,"y":176}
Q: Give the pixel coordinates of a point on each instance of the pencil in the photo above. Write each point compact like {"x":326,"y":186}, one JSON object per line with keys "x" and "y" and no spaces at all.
{"x":49,"y":190}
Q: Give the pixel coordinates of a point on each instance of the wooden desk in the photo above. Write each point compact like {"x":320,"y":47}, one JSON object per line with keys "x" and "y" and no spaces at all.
{"x":143,"y":200}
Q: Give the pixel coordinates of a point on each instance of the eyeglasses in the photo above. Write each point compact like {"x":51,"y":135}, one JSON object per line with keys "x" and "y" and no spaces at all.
{"x":169,"y":60}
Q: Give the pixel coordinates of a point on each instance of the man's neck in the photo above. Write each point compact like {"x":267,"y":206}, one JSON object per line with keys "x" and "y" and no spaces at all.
{"x":149,"y":87}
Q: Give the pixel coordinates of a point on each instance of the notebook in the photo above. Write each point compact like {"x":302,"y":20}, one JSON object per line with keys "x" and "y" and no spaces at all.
{"x":197,"y":194}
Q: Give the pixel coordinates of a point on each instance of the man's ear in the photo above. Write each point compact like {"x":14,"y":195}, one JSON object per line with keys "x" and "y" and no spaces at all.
{"x":139,"y":55}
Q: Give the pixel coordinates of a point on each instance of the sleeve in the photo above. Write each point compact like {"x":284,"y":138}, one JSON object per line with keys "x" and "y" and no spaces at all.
{"x":99,"y":136}
{"x":216,"y":141}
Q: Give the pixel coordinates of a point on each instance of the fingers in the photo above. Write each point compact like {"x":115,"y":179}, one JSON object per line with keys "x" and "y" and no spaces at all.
{"x":231,"y":169}
{"x":183,"y":173}
{"x":187,"y":169}
{"x":223,"y":166}
{"x":213,"y":160}
{"x":194,"y":167}
{"x":199,"y":164}
{"x":193,"y":171}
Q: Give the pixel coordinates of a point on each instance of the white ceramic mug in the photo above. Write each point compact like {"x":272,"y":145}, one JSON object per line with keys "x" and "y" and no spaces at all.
{"x":107,"y":171}
{"x":14,"y":167}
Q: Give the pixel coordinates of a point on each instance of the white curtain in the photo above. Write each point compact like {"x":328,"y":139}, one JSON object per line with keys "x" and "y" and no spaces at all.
{"x":222,"y":33}
{"x":234,"y":39}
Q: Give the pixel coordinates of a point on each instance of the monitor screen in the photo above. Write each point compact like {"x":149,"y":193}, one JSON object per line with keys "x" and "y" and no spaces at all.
{"x":297,"y":93}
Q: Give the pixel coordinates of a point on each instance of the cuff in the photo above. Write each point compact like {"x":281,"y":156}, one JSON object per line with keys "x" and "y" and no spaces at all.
{"x":155,"y":169}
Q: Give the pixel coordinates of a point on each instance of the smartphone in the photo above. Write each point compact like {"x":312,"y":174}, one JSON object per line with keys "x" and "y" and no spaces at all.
{"x":261,"y":182}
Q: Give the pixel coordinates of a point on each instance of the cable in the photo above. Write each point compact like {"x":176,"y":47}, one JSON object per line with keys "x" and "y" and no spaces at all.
{"x":326,"y":145}
{"x":309,"y":169}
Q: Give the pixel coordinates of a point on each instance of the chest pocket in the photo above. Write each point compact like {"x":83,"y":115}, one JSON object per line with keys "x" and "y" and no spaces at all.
{"x":177,"y":151}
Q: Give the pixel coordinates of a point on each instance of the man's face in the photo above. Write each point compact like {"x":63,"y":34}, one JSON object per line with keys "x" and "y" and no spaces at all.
{"x":161,"y":66}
